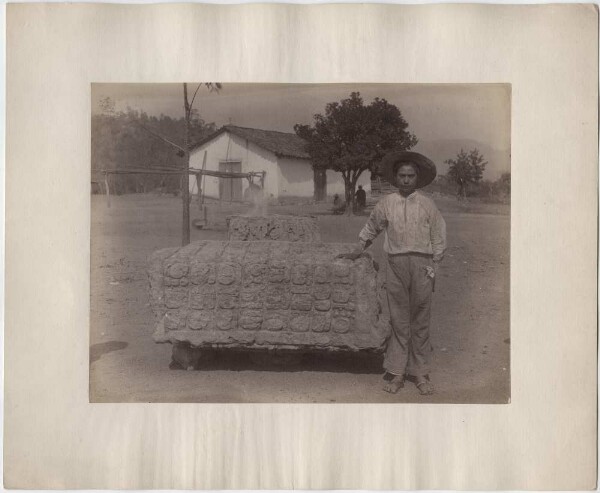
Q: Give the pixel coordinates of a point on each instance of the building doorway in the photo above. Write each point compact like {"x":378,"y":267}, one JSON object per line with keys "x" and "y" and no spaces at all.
{"x":230,"y":189}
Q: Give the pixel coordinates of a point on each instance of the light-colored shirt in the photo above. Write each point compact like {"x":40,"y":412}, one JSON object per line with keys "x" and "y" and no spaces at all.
{"x":411,"y":224}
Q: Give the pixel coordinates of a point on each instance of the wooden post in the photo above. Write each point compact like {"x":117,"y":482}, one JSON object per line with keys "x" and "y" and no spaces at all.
{"x":107,"y":189}
{"x":201,"y":182}
{"x":198,"y":199}
{"x":221,"y":184}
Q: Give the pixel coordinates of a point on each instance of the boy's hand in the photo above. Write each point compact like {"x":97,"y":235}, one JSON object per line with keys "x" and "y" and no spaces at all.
{"x":351,"y":256}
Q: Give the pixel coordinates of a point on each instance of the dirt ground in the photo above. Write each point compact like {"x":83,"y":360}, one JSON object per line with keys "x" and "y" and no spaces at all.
{"x":469,"y":328}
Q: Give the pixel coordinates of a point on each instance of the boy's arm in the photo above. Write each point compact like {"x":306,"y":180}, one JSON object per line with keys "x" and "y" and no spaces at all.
{"x":375,"y":225}
{"x":438,"y":236}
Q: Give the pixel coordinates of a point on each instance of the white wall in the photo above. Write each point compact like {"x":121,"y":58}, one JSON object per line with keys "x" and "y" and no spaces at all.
{"x":233,"y":148}
{"x":285,"y":176}
{"x":295,"y":177}
{"x":335,"y":182}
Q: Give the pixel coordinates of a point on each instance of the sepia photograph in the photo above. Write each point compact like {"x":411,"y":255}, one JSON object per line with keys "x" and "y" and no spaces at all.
{"x":300,"y":243}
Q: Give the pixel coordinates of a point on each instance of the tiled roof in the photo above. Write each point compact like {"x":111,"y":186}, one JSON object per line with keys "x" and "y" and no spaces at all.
{"x":282,"y":144}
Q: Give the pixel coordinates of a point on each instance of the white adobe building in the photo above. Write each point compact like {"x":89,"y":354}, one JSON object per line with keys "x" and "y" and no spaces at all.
{"x":281,"y":155}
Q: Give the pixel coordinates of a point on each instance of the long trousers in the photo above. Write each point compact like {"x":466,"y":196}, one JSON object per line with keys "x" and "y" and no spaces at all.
{"x":409,"y":297}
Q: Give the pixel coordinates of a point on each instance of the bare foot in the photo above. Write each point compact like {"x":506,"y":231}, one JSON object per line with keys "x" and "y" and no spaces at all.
{"x":388,"y":376}
{"x":394,"y":385}
{"x":424,"y":385}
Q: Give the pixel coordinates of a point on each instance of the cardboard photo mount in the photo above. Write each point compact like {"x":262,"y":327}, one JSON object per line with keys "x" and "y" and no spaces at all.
{"x":544,"y":439}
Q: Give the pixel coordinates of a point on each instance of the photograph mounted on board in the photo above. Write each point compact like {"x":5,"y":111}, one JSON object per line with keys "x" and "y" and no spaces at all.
{"x":311,"y":243}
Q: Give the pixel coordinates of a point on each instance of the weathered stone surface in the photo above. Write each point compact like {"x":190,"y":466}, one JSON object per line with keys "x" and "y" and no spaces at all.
{"x":266,"y":294}
{"x":273,"y":227}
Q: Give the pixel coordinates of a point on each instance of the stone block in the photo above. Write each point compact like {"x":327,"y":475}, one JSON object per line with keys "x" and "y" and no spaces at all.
{"x":273,"y":227}
{"x":266,"y":295}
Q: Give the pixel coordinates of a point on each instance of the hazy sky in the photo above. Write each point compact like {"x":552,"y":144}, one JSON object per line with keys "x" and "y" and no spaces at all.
{"x":436,"y":113}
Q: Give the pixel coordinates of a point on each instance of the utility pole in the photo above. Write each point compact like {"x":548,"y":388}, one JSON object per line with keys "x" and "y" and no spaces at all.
{"x":185,"y":178}
{"x":184,"y":152}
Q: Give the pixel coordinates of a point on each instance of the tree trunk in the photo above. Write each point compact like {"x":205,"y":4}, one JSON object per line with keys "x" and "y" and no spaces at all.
{"x":461,"y":190}
{"x":320,"y":184}
{"x":350,"y":190}
{"x":185,"y":179}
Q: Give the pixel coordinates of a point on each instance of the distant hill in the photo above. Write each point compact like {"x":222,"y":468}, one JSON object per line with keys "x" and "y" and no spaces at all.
{"x":440,"y":150}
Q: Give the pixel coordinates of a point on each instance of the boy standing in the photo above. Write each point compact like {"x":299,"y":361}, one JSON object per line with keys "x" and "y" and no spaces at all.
{"x":415,"y":240}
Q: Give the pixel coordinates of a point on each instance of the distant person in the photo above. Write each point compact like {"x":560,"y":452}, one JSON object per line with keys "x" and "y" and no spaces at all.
{"x":415,"y":240}
{"x":361,"y":199}
{"x":339,"y":207}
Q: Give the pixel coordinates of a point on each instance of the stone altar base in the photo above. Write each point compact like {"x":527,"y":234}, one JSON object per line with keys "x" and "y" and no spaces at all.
{"x":187,"y":357}
{"x":267,"y":295}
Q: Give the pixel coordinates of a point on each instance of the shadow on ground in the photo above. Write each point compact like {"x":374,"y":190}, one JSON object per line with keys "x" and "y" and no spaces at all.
{"x":97,"y":350}
{"x":359,"y":363}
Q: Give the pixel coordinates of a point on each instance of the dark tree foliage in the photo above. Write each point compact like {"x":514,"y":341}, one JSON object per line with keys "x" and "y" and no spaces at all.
{"x":352,"y":137}
{"x":119,"y":141}
{"x":504,"y":183}
{"x":466,"y":168}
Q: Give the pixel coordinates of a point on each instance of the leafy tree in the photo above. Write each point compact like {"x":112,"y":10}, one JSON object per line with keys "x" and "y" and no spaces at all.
{"x":107,"y":105}
{"x":352,"y":137}
{"x":466,"y":168}
{"x":504,"y":183}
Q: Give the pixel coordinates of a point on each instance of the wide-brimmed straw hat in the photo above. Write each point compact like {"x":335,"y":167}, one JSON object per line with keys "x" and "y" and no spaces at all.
{"x":426,"y":172}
